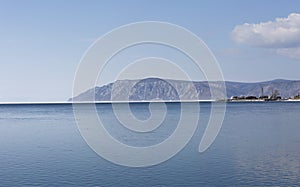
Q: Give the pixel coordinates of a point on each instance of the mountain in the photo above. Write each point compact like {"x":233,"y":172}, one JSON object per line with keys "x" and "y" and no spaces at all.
{"x":159,"y":89}
{"x":286,"y":88}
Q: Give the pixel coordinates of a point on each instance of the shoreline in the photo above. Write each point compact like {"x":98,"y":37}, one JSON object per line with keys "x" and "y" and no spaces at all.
{"x":143,"y":101}
{"x":263,"y":101}
{"x":104,"y":102}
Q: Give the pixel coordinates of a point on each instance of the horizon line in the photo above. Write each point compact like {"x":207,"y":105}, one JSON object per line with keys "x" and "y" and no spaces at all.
{"x":106,"y":102}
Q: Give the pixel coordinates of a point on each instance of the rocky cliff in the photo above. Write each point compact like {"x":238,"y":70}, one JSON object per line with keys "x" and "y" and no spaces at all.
{"x":159,"y":89}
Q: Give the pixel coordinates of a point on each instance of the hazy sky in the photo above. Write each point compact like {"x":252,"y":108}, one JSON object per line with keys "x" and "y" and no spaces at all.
{"x":42,"y":42}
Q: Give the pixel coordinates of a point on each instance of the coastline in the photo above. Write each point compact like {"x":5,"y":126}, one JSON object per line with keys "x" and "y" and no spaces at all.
{"x":144,"y":101}
{"x":263,"y":101}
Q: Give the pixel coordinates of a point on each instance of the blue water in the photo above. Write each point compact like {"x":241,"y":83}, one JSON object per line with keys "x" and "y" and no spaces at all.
{"x":258,"y":145}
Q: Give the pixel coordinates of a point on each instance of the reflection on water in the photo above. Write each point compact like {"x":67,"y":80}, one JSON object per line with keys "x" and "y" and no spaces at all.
{"x":258,"y":145}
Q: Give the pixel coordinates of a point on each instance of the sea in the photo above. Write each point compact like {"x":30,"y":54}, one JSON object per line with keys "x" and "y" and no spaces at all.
{"x":257,"y":145}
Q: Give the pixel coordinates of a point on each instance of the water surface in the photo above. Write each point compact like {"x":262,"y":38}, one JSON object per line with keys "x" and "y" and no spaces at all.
{"x":258,"y":145}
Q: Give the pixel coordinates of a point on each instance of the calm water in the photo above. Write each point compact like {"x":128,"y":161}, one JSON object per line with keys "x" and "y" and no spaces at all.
{"x":258,"y":145}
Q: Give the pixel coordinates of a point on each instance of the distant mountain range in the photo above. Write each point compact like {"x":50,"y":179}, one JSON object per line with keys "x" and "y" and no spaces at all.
{"x":155,"y":88}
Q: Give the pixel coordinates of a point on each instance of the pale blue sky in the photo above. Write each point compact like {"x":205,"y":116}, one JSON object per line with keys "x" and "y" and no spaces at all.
{"x":42,"y":42}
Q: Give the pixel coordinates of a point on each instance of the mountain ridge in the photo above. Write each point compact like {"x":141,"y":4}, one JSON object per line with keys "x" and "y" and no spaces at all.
{"x":168,"y":89}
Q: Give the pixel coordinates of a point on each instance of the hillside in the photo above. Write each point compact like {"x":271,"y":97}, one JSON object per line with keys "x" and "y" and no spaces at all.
{"x":155,"y":88}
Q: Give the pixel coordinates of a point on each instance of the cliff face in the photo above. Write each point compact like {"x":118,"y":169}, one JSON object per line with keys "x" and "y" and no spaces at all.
{"x":155,"y":88}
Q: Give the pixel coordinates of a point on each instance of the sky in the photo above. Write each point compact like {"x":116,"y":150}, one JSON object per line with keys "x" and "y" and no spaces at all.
{"x":42,"y":42}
